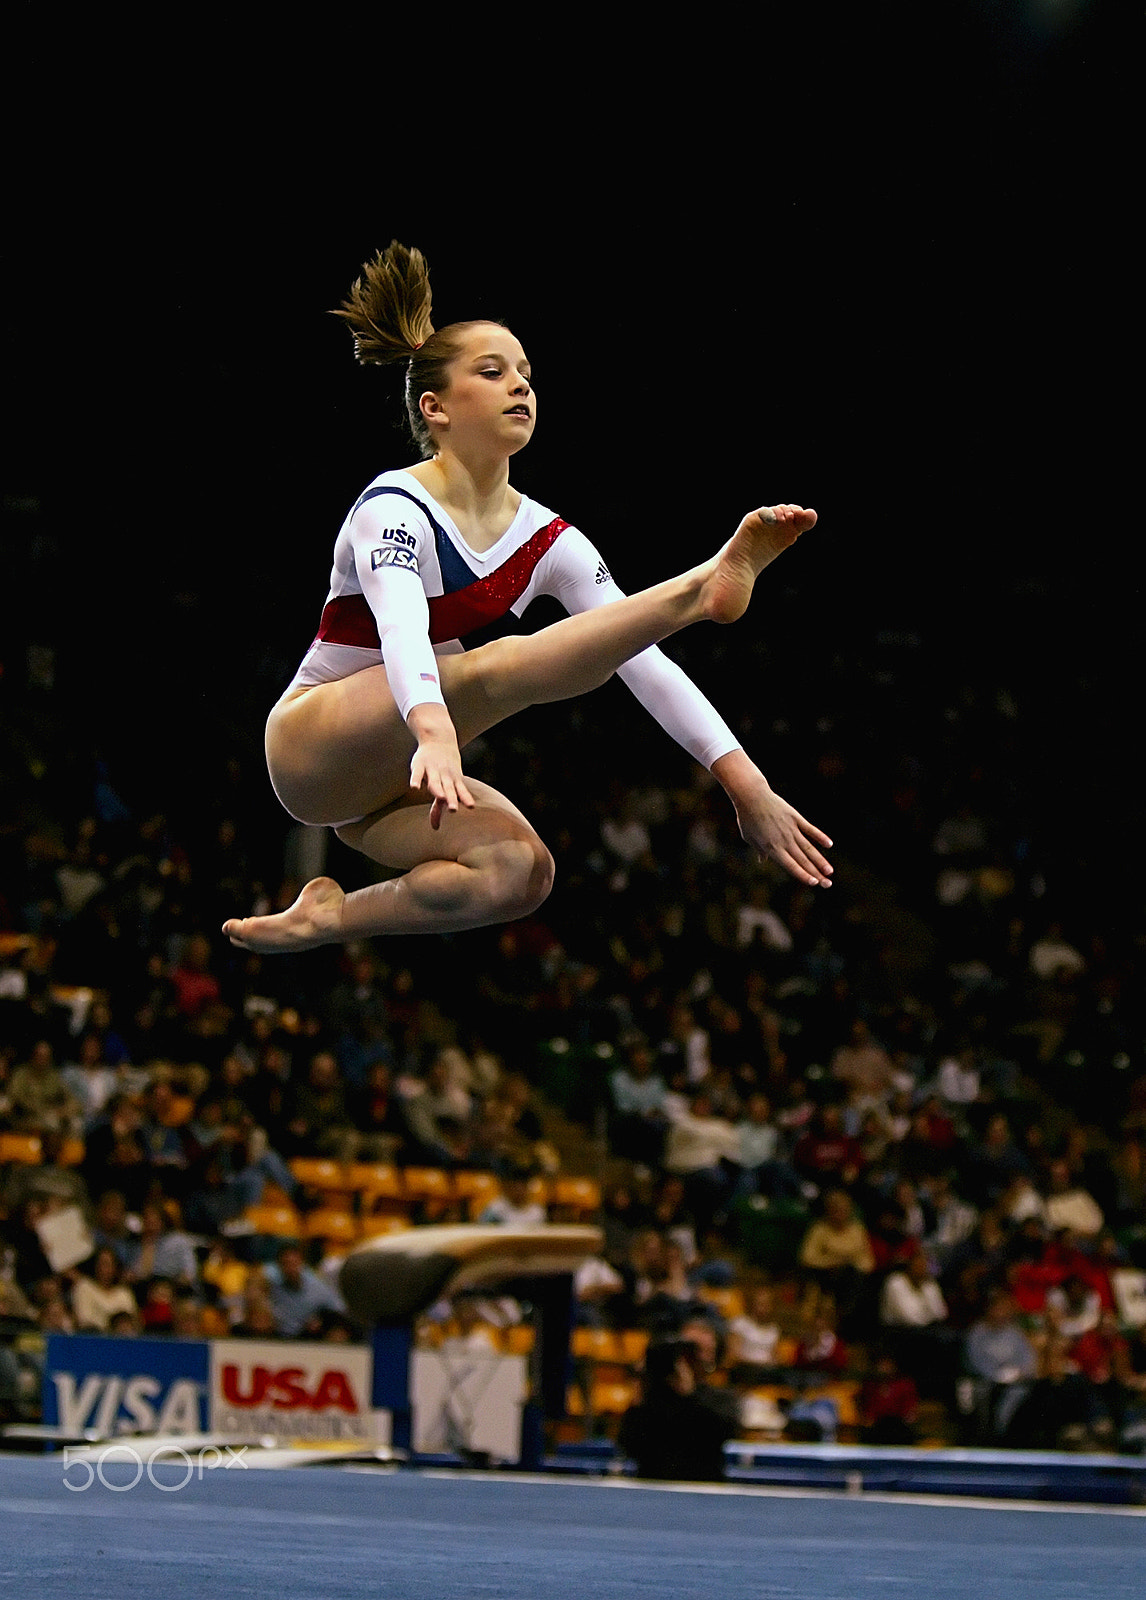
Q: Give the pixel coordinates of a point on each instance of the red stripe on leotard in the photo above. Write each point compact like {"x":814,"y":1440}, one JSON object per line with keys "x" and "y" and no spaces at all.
{"x":348,"y":619}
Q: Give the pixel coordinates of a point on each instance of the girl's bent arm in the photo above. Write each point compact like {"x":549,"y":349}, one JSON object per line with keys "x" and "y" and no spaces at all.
{"x":437,"y":763}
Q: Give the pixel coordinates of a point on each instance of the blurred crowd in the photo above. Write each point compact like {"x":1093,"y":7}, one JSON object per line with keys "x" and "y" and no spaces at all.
{"x":893,"y":1133}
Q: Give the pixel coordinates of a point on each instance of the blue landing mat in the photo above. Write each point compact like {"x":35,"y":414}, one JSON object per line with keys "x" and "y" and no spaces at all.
{"x":324,"y":1533}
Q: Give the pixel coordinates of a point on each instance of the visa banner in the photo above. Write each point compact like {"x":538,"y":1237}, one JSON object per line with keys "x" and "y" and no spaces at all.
{"x":110,"y":1386}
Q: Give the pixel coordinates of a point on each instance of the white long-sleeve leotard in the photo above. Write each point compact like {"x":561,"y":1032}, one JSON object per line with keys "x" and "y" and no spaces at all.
{"x":406,"y":587}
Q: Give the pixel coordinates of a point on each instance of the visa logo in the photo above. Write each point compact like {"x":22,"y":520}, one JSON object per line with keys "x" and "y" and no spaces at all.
{"x":127,"y":1405}
{"x":391,"y":556}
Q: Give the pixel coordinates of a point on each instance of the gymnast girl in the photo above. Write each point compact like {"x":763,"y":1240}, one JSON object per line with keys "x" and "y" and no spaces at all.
{"x":367,"y":738}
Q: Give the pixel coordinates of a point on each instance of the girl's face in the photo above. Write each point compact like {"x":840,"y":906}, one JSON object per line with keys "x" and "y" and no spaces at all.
{"x":490,"y":396}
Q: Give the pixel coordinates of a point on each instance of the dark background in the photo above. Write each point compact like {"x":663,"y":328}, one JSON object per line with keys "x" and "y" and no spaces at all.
{"x":881,"y":270}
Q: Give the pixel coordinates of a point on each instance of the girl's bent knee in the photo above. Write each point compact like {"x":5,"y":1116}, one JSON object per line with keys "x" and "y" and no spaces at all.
{"x":526,"y":872}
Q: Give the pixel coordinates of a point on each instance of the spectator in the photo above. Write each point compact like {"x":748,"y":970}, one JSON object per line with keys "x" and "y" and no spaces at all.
{"x":96,"y":1299}
{"x":1002,"y":1363}
{"x":638,"y":1122}
{"x":995,"y":1164}
{"x":114,"y":1226}
{"x":671,"y":1300}
{"x":888,"y":1404}
{"x":1061,"y":1409}
{"x":819,"y":1348}
{"x":162,"y":1251}
{"x":90,"y":1080}
{"x":754,"y":1338}
{"x":298,"y":1296}
{"x":376,"y":1117}
{"x":198,"y":996}
{"x":701,"y":1149}
{"x":864,"y":1067}
{"x":672,"y":1434}
{"x":949,"y":1220}
{"x":837,"y":1251}
{"x":319,"y":1120}
{"x":39,"y":1098}
{"x":1073,"y":1307}
{"x":514,"y":1208}
{"x":762,"y":1167}
{"x":115,"y":1155}
{"x":758,"y":924}
{"x":826,"y":1154}
{"x":914,"y":1316}
{"x":1052,"y":954}
{"x":1069,"y":1205}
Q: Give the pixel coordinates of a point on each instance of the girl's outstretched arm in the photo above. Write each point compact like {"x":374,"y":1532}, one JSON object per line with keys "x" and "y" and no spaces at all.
{"x":769,"y":824}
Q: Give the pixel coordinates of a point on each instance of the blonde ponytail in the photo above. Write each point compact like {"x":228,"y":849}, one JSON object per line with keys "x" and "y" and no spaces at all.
{"x":388,"y":309}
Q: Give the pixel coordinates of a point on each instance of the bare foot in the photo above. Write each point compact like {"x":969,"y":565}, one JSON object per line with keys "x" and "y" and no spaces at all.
{"x":314,"y":919}
{"x":760,"y":538}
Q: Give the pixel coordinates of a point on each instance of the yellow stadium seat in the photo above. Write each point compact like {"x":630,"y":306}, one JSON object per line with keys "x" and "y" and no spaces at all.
{"x":597,"y":1344}
{"x":477,"y":1192}
{"x":427,"y":1183}
{"x":315,"y":1172}
{"x":21,"y":1147}
{"x":334,"y":1227}
{"x":613,"y":1399}
{"x":375,"y":1227}
{"x":787,"y":1349}
{"x":634,"y":1342}
{"x":279,"y":1222}
{"x":579,"y":1195}
{"x":377,"y":1178}
{"x":181,"y":1110}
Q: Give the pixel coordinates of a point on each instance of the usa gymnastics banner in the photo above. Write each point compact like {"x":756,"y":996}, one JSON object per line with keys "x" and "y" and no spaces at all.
{"x":299,"y":1393}
{"x":304,"y":1393}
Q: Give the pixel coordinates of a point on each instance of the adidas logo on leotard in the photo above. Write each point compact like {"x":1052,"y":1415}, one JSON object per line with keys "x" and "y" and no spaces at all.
{"x":602,"y":573}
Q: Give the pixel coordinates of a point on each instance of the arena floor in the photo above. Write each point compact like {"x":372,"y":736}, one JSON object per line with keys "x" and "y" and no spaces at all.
{"x":343,"y":1533}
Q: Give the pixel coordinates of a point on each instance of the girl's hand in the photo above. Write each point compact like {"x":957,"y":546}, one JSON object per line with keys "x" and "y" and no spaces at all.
{"x":437,"y":767}
{"x":777,"y":830}
{"x":770,"y":825}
